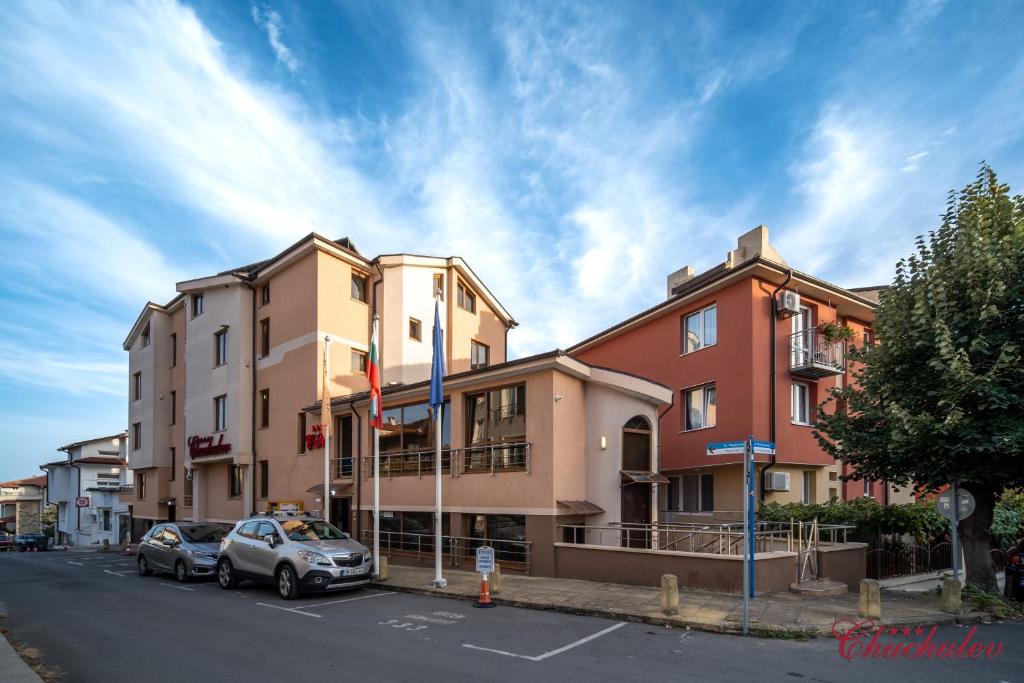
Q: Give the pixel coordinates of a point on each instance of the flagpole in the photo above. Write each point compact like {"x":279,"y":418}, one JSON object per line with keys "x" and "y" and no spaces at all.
{"x":377,"y":409}
{"x":436,"y":375}
{"x":327,"y":433}
{"x":376,"y":500}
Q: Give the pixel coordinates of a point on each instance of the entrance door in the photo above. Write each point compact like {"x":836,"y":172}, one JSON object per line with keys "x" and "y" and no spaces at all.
{"x":635,"y":511}
{"x":341,"y":514}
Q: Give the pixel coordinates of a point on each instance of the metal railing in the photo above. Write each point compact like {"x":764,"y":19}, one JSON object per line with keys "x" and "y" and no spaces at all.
{"x":810,"y":348}
{"x":456,"y":551}
{"x":342,"y":467}
{"x":886,"y":563}
{"x":490,"y":458}
{"x":720,"y":539}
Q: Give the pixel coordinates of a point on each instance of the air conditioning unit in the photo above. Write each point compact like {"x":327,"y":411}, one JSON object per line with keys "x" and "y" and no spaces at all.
{"x":789,"y":303}
{"x":776,"y":481}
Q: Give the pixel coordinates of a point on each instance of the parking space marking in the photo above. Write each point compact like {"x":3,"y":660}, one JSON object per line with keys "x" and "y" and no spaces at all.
{"x":78,"y":563}
{"x":293,"y":610}
{"x":181,"y":588}
{"x":299,"y":608}
{"x":119,"y":575}
{"x":552,"y":653}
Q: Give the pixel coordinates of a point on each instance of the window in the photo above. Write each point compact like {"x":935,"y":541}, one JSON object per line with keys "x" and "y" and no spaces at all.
{"x":174,"y":460}
{"x":140,"y":485}
{"x":359,"y":287}
{"x":174,"y":350}
{"x":496,"y":429}
{"x":867,"y":487}
{"x":692,"y":493}
{"x":264,"y":478}
{"x":267,"y":529}
{"x":358,"y":361}
{"x":137,"y":386}
{"x":248,"y":529}
{"x":145,"y":337}
{"x":800,"y":408}
{"x":108,"y":480}
{"x":265,"y":294}
{"x":188,"y":489}
{"x":833,"y":476}
{"x":220,"y":413}
{"x":264,"y":408}
{"x":302,"y":433}
{"x":220,"y":348}
{"x":479,"y":355}
{"x":699,"y":407}
{"x":236,"y":481}
{"x":700,"y":329}
{"x":197,"y":305}
{"x":465,"y":298}
{"x":136,"y":436}
{"x":411,"y":428}
{"x":264,"y":337}
{"x":415,"y":329}
{"x":505,"y":533}
{"x":808,"y":487}
{"x":174,"y":407}
{"x":106,"y":520}
{"x":802,"y":340}
{"x":438,"y":286}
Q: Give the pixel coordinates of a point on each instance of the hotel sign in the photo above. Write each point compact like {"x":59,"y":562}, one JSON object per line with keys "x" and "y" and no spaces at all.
{"x":201,"y":446}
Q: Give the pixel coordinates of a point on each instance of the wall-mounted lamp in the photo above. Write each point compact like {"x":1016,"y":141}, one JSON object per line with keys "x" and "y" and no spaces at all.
{"x":558,"y":397}
{"x":604,"y":443}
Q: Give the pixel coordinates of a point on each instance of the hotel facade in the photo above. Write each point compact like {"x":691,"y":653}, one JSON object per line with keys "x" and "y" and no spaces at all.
{"x":220,"y":375}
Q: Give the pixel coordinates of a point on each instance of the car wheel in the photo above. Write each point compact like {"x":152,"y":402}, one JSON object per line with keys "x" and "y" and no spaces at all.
{"x":226,"y":575}
{"x":144,"y":569}
{"x":287,"y":584}
{"x":180,"y":572}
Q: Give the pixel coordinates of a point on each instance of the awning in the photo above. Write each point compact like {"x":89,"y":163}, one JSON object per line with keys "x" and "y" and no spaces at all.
{"x":582,"y":507}
{"x":642,"y":477}
{"x":336,"y":489}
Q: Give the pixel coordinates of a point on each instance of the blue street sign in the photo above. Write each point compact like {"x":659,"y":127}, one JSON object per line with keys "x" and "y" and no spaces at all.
{"x":727,"y":447}
{"x":764,"y":448}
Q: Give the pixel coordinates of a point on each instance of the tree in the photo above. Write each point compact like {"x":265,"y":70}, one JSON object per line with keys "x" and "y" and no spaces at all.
{"x":940,"y":397}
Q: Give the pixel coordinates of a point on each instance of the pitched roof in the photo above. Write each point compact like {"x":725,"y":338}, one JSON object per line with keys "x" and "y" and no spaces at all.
{"x":101,"y":460}
{"x":870,"y":293}
{"x":39,"y":481}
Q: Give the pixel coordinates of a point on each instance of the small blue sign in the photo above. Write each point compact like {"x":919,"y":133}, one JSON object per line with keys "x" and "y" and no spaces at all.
{"x":764,"y":447}
{"x":727,"y":447}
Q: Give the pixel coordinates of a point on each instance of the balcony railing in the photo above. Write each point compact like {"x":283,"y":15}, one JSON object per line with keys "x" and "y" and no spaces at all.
{"x":456,"y":551}
{"x":341,"y":468}
{"x":811,"y":356}
{"x":491,"y":458}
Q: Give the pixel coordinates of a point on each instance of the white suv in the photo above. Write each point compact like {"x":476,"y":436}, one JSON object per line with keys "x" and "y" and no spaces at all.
{"x":295,"y":553}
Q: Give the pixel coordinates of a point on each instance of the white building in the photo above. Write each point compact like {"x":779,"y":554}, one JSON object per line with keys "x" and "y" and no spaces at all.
{"x":86,"y":489}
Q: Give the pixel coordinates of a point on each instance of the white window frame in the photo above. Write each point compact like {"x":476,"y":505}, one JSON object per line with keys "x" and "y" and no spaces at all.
{"x":220,"y":348}
{"x":680,"y":502}
{"x":807,"y":480}
{"x":802,"y":420}
{"x":220,"y":413}
{"x":703,"y":389}
{"x":702,"y":342}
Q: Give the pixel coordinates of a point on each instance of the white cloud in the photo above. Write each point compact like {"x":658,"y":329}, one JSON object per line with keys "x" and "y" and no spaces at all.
{"x":65,"y":372}
{"x":270,"y":21}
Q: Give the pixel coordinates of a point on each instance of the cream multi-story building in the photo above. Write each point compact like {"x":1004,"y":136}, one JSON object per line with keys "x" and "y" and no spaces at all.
{"x":220,"y":375}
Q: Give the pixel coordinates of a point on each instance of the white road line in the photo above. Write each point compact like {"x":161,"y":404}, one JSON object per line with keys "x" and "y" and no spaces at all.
{"x":335,"y":602}
{"x":293,"y":610}
{"x":181,"y":588}
{"x":78,"y":563}
{"x":552,"y":653}
{"x":119,"y":575}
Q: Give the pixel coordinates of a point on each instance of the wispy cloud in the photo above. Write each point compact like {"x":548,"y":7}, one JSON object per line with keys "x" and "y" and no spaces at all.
{"x":270,"y":21}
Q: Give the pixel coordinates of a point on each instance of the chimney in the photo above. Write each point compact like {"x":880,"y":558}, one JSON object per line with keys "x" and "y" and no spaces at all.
{"x":677,"y":278}
{"x":751,"y":244}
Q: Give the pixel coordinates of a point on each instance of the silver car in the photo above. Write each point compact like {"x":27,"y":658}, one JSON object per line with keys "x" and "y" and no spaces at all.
{"x":295,"y":553}
{"x":187,"y":550}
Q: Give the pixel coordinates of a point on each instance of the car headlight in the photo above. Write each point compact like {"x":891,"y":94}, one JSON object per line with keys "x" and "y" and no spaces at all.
{"x":313,"y":558}
{"x":367,"y":558}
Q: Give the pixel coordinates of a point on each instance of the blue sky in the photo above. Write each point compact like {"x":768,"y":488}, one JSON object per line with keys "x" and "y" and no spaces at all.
{"x":574,"y":154}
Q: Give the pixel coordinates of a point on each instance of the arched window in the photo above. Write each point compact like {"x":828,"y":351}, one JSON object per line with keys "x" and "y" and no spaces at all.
{"x":636,"y":444}
{"x":638,"y":423}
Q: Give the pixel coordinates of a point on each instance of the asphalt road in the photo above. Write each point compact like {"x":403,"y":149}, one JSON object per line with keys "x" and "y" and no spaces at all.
{"x":95,"y":619}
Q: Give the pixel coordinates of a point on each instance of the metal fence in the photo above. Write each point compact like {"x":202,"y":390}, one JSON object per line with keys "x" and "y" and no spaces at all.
{"x":456,"y":551}
{"x":887,"y":563}
{"x":492,"y":458}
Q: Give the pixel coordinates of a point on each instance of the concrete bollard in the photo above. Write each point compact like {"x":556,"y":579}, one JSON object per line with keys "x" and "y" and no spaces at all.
{"x":870,"y":599}
{"x":495,"y":579}
{"x":382,"y":569}
{"x":951,"y":595}
{"x":106,"y":545}
{"x":669,"y":594}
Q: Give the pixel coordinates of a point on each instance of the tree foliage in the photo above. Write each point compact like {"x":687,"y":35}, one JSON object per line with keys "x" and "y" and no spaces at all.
{"x":870,"y":517}
{"x":940,"y":397}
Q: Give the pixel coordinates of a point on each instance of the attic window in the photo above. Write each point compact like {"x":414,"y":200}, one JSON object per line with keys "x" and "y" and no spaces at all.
{"x":145,"y":336}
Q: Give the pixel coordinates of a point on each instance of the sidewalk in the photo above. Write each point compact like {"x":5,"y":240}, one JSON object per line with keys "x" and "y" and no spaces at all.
{"x":13,"y":668}
{"x":778,"y":614}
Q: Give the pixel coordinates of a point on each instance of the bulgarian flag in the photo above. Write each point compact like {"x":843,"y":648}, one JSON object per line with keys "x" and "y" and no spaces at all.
{"x":373,"y":372}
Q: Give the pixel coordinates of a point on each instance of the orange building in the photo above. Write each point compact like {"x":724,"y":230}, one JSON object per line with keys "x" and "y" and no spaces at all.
{"x":747,"y":349}
{"x":219,"y":376}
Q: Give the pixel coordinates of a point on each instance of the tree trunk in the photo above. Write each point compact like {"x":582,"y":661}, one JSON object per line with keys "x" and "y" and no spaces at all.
{"x":976,"y":539}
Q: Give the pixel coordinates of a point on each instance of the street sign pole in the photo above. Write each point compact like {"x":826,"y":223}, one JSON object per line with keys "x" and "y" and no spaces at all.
{"x":746,"y":536}
{"x":751,"y":509}
{"x":956,"y":533}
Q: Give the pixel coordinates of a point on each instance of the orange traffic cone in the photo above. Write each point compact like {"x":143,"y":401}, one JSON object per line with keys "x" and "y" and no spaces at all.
{"x":485,"y":594}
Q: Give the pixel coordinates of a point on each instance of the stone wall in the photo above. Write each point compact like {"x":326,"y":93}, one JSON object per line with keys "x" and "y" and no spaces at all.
{"x":29,"y":519}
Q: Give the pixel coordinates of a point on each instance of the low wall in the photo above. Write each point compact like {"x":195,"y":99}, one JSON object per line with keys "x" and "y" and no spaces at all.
{"x":846,"y":562}
{"x":774,"y":572}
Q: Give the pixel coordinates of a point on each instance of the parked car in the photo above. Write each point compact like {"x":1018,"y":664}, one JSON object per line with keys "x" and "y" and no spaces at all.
{"x":185,"y":549}
{"x":1013,"y":584}
{"x":293,"y":552}
{"x":23,"y":542}
{"x":6,"y":541}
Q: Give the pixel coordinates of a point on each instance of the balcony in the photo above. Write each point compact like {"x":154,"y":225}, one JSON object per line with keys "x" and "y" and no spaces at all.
{"x":491,"y":459}
{"x":812,"y":357}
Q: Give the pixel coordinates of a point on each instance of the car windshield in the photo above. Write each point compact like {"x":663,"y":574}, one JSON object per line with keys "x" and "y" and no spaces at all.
{"x":203,"y":534}
{"x":298,"y":530}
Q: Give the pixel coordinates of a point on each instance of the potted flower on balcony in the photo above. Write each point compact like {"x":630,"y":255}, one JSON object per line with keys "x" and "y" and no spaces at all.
{"x":833,"y":332}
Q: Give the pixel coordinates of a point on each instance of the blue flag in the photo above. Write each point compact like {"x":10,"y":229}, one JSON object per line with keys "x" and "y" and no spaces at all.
{"x":437,"y":366}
